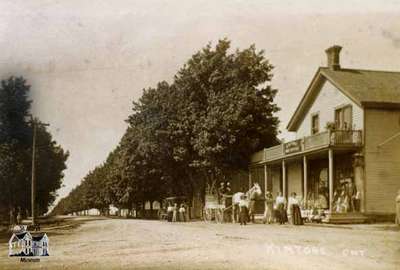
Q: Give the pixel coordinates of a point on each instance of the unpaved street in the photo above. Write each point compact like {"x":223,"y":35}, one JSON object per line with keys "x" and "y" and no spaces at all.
{"x":144,"y":244}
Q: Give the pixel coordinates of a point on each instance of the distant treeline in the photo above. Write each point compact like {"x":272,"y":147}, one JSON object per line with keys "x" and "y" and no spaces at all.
{"x":186,"y":135}
{"x":16,"y":134}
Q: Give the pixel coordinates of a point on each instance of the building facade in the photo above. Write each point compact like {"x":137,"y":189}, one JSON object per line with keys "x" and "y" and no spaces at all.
{"x":346,"y":156}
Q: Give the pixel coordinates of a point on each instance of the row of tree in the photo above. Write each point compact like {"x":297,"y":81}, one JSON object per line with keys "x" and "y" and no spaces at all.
{"x":16,"y":132}
{"x":185,"y":136}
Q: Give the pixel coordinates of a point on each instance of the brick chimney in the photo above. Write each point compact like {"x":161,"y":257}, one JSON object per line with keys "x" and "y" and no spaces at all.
{"x":333,"y":54}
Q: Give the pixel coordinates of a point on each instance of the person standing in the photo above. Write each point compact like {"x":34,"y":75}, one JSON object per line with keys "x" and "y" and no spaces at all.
{"x":294,"y":208}
{"x":269,"y":207}
{"x":398,"y":208}
{"x":221,"y":191}
{"x":19,"y":216}
{"x":281,"y":208}
{"x":254,"y":192}
{"x":351,"y":194}
{"x":170,"y":211}
{"x":182,"y":213}
{"x":175,"y":213}
{"x":228,"y":189}
{"x":243,"y":210}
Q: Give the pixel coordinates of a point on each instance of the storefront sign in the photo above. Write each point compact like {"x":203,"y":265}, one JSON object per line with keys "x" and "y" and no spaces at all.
{"x":293,"y":147}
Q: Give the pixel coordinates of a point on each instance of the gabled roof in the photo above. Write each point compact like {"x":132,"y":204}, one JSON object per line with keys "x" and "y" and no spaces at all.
{"x":364,"y":87}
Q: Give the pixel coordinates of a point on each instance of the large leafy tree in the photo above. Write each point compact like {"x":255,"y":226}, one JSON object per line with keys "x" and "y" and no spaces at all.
{"x":227,"y":108}
{"x":16,"y":152}
{"x":187,"y":135}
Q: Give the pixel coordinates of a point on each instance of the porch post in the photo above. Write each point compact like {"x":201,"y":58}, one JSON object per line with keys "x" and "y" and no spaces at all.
{"x":330,"y":154}
{"x":265,"y":178}
{"x":284,"y":178}
{"x":305,"y":174}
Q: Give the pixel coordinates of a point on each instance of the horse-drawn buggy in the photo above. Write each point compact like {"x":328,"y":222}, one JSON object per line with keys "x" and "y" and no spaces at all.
{"x":217,"y":208}
{"x":224,"y":207}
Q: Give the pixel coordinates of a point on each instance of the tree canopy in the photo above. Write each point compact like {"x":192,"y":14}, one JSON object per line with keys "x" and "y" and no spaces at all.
{"x":188,"y":134}
{"x":16,"y":152}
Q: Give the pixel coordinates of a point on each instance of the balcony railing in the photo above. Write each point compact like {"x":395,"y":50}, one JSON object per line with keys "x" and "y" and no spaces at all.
{"x":274,"y":152}
{"x":346,"y":138}
{"x":316,"y":141}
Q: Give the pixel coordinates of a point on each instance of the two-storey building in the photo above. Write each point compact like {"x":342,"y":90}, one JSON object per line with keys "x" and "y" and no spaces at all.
{"x":346,"y":156}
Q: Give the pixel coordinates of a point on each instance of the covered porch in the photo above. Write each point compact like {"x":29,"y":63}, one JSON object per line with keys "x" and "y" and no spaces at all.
{"x":323,"y":170}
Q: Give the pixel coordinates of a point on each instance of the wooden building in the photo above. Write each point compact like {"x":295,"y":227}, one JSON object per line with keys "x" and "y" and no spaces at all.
{"x":347,"y":129}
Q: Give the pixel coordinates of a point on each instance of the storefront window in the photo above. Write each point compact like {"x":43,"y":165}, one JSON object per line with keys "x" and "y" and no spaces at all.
{"x":318,"y":185}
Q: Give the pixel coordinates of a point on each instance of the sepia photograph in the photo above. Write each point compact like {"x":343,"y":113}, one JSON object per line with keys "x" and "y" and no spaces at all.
{"x":200,"y":134}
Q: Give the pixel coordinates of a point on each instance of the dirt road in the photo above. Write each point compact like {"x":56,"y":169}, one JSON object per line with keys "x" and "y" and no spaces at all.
{"x":143,"y":244}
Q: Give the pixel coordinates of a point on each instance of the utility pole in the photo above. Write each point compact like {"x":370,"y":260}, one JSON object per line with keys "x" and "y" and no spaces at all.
{"x":33,"y":182}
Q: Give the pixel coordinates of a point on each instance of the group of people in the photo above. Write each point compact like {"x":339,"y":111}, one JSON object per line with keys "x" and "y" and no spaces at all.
{"x":277,"y":210}
{"x":176,"y":213}
{"x":282,"y":210}
{"x":346,"y":198}
{"x":243,"y":204}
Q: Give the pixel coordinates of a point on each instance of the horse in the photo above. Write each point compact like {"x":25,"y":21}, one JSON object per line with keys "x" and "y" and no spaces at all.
{"x":251,"y":194}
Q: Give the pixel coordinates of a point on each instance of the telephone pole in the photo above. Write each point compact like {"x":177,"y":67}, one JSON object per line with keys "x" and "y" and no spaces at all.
{"x":33,"y":182}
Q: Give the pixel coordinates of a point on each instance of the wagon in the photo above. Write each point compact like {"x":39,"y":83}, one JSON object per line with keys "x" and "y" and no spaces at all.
{"x":217,"y":211}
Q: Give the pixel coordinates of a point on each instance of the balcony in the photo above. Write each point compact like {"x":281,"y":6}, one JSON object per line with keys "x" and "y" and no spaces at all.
{"x":274,"y":152}
{"x":338,"y":138}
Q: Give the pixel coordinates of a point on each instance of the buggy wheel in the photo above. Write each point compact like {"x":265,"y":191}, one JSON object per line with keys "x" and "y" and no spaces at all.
{"x":207,"y":214}
{"x":219,"y":215}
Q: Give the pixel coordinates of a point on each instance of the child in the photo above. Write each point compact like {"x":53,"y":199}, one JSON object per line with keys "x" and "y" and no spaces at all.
{"x":243,"y":210}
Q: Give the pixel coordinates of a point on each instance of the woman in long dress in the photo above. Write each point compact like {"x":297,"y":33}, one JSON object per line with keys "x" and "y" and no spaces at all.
{"x":182,"y":213}
{"x":295,"y":213}
{"x":269,"y":207}
{"x":281,"y":208}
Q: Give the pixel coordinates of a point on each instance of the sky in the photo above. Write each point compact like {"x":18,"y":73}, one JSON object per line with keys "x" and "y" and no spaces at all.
{"x":88,"y":60}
